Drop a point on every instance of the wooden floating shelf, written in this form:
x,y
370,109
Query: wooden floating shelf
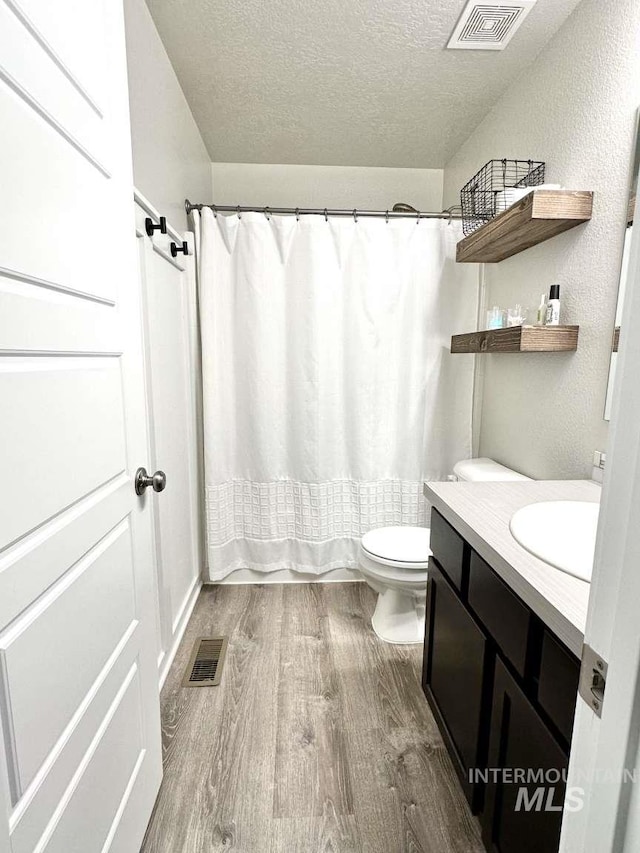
x,y
518,339
535,218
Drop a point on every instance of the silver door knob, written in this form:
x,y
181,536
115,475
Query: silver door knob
x,y
142,481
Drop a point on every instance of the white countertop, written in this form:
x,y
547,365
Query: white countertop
x,y
481,512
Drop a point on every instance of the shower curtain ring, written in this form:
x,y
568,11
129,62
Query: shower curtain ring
x,y
297,214
326,215
215,210
386,217
355,215
417,217
267,213
238,212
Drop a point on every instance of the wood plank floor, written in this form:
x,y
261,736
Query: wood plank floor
x,y
318,740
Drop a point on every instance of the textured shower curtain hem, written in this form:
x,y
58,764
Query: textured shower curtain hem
x,y
272,555
281,565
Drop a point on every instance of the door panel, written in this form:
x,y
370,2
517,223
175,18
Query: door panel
x,y
33,70
36,562
116,755
44,320
38,803
80,760
72,32
74,623
63,423
65,250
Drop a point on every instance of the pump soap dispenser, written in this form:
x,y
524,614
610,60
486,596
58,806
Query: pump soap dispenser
x,y
553,306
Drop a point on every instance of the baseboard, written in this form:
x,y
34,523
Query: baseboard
x,y
246,576
180,624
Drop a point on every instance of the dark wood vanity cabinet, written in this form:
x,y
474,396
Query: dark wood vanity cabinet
x,y
503,691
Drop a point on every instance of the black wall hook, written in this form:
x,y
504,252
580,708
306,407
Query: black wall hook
x,y
150,226
175,249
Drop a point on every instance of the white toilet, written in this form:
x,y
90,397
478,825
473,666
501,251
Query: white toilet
x,y
394,563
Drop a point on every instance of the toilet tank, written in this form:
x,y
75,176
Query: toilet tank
x,y
484,469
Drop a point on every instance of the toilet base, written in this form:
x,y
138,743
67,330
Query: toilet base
x,y
399,617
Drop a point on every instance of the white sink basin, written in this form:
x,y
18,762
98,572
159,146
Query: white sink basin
x,y
562,533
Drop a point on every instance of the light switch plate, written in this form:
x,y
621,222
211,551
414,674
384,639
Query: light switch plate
x,y
599,459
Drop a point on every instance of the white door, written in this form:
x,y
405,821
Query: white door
x,y
80,759
170,335
604,814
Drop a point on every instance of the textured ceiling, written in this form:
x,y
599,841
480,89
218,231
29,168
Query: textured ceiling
x,y
339,82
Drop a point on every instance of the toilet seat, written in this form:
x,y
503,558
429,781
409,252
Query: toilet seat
x,y
394,564
398,547
396,556
392,575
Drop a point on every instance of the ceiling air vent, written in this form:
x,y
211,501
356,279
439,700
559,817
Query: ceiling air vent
x,y
489,25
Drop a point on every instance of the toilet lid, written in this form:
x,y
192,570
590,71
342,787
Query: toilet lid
x,y
404,544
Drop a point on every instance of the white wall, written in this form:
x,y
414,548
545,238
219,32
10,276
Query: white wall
x,y
170,161
574,108
325,186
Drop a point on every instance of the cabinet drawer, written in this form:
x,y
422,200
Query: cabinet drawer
x,y
454,675
558,686
447,547
500,610
520,741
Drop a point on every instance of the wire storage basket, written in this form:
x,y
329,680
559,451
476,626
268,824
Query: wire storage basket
x,y
498,185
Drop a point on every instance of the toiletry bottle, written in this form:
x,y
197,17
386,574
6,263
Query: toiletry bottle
x,y
553,306
541,314
495,318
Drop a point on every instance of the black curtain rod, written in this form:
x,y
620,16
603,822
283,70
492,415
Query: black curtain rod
x,y
326,212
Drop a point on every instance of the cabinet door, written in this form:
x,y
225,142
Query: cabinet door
x,y
454,676
504,616
520,817
558,684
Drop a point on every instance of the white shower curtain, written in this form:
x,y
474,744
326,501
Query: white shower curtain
x,y
330,394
